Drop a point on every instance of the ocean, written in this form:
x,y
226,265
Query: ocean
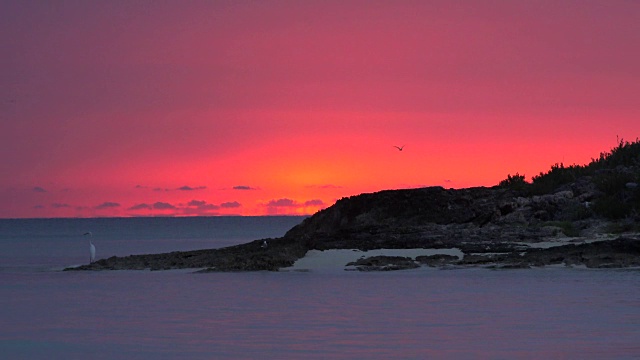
x,y
45,313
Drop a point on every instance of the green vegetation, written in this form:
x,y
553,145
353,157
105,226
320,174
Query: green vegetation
x,y
615,175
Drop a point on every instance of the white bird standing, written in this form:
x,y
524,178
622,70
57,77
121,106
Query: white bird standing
x,y
92,248
264,244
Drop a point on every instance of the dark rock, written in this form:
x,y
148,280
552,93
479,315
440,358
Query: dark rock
x,y
439,218
491,247
619,253
384,263
438,260
402,209
246,257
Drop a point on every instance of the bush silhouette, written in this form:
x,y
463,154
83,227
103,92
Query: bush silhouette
x,y
615,173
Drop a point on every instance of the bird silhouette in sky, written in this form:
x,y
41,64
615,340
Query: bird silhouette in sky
x,y
399,147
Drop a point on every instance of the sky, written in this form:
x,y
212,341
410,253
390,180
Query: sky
x,y
181,108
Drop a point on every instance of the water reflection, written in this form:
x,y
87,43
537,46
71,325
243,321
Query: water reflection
x,y
555,313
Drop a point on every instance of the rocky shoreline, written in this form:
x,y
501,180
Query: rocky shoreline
x,y
493,227
623,252
576,216
251,256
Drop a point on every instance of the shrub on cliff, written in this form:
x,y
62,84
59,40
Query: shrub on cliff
x,y
615,173
558,175
516,182
624,155
621,194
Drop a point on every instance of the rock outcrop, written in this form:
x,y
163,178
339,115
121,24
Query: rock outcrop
x,y
489,225
493,219
384,263
618,253
252,256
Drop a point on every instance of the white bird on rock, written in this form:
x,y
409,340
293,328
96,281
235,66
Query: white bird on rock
x,y
92,248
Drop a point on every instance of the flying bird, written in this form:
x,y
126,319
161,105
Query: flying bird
x,y
399,147
92,248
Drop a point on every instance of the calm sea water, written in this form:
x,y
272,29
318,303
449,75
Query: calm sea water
x,y
45,313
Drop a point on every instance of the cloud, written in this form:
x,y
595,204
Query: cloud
x,y
231,204
193,207
282,203
60,205
39,189
189,188
107,205
202,205
163,206
38,207
285,205
141,207
291,203
244,187
182,188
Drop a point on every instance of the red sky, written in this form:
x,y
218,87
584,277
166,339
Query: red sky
x,y
128,108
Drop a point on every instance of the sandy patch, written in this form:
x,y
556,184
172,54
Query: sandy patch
x,y
336,260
